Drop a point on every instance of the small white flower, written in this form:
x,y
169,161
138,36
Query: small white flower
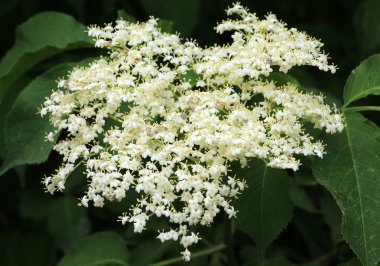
x,y
186,255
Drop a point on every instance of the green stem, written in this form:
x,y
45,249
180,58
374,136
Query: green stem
x,y
362,108
193,256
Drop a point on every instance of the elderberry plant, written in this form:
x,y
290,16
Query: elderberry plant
x,y
137,121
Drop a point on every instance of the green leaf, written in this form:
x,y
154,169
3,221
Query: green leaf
x,y
6,105
264,207
351,172
25,130
99,249
363,81
38,38
184,14
67,221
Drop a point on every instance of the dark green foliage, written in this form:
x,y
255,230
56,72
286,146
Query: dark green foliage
x,y
25,131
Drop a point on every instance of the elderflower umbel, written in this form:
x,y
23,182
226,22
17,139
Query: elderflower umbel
x,y
137,123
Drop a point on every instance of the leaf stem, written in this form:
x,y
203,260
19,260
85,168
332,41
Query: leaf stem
x,y
362,108
194,255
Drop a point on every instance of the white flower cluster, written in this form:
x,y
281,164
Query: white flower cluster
x,y
166,118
